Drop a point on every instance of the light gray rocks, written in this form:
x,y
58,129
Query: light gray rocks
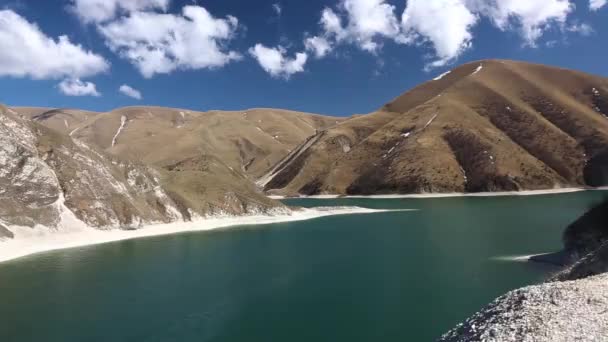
x,y
552,312
28,187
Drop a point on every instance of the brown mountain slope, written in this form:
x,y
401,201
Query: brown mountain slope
x,y
486,126
246,142
208,161
62,120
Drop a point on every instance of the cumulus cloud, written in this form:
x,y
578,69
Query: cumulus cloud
x,y
130,92
97,11
332,24
362,22
319,46
446,24
531,18
28,52
274,61
595,5
277,9
76,87
583,29
158,43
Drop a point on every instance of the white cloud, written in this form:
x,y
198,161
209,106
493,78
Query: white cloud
x,y
531,18
332,24
130,92
363,23
277,9
76,87
159,43
446,24
595,5
27,52
274,62
366,22
584,29
319,46
97,11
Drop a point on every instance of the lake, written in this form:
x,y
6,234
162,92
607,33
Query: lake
x,y
392,276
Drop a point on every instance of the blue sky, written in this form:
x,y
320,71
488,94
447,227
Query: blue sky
x,y
236,54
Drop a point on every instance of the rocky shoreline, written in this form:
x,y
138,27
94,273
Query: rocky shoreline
x,y
555,311
447,194
25,245
571,306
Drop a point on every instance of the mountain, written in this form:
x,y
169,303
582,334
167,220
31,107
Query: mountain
x,y
67,168
62,120
485,126
249,141
53,182
213,152
492,125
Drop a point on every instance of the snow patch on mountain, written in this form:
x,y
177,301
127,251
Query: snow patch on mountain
x,y
479,68
123,122
442,76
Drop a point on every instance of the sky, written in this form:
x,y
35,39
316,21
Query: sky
x,y
335,57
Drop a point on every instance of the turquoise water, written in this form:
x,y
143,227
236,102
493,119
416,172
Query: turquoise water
x,y
399,276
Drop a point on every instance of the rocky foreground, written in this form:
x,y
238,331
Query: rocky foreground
x,y
557,311
572,306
